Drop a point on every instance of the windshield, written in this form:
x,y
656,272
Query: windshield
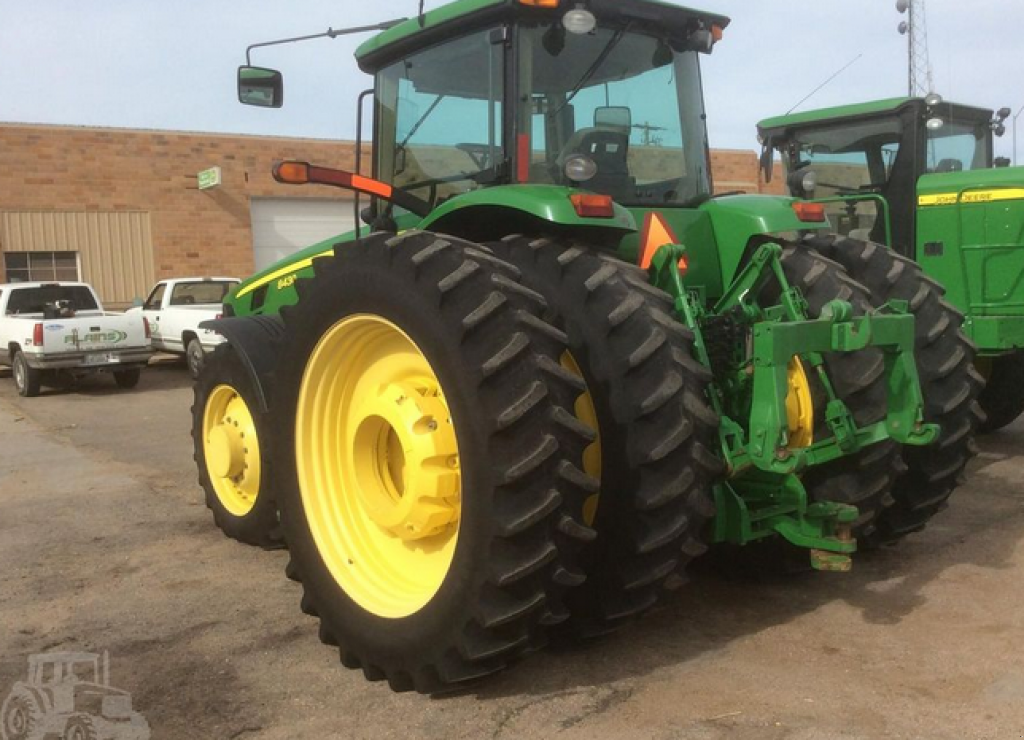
x,y
623,99
848,158
959,147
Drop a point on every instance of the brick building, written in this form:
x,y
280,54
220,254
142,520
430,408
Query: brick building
x,y
122,208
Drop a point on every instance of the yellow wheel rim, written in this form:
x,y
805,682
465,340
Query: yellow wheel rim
x,y
799,406
232,450
378,466
585,412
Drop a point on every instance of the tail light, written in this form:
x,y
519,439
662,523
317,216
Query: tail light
x,y
809,212
593,206
145,323
37,335
218,317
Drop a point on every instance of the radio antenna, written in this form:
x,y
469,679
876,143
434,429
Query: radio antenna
x,y
813,92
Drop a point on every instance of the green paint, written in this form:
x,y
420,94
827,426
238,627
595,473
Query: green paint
x,y
738,218
460,13
778,124
549,203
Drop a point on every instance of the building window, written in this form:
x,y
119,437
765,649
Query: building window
x,y
23,267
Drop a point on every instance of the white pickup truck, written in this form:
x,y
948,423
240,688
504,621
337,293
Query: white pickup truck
x,y
49,329
175,308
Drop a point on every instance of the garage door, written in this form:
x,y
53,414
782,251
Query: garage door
x,y
282,226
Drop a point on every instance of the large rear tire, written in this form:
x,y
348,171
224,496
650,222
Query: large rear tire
x,y
231,450
21,717
1003,397
866,478
657,433
429,489
949,382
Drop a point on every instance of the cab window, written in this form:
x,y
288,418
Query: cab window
x,y
156,298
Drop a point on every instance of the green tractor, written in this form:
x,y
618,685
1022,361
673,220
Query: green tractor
x,y
556,368
918,175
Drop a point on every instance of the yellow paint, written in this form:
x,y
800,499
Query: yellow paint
x,y
378,466
284,271
799,406
232,450
973,196
587,413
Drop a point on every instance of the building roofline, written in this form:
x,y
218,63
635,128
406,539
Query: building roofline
x,y
165,132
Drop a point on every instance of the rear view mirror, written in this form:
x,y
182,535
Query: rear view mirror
x,y
261,87
616,118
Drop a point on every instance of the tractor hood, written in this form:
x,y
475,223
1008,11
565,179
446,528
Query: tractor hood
x,y
464,16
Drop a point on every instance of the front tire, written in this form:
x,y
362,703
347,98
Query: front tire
x,y
229,436
27,380
1003,397
428,488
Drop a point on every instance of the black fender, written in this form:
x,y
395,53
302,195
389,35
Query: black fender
x,y
257,340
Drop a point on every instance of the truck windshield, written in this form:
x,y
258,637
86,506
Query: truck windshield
x,y
623,99
35,300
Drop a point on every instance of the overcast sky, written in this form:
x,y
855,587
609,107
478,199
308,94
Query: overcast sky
x,y
171,65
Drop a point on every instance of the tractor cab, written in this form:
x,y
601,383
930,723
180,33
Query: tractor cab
x,y
918,174
866,161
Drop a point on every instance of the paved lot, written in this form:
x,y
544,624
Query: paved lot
x,y
105,545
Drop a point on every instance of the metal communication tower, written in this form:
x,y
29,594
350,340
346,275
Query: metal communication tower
x,y
919,65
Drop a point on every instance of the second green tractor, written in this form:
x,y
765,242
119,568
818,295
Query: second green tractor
x,y
553,368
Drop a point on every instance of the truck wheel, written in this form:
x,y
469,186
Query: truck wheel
x,y
194,357
864,479
127,379
21,717
230,449
646,396
1003,397
428,486
80,727
949,382
27,379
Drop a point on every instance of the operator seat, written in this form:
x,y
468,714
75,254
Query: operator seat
x,y
609,148
949,165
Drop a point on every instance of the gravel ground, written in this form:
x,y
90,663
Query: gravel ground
x,y
105,545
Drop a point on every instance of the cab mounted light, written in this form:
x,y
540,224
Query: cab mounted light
x,y
540,3
588,205
810,212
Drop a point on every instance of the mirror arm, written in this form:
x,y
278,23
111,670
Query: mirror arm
x,y
330,33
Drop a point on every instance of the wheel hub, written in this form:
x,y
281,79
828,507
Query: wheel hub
x,y
232,451
799,406
406,462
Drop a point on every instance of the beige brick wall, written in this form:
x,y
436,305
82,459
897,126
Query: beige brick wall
x,y
194,232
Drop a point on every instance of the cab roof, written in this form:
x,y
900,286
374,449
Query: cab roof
x,y
441,23
779,124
